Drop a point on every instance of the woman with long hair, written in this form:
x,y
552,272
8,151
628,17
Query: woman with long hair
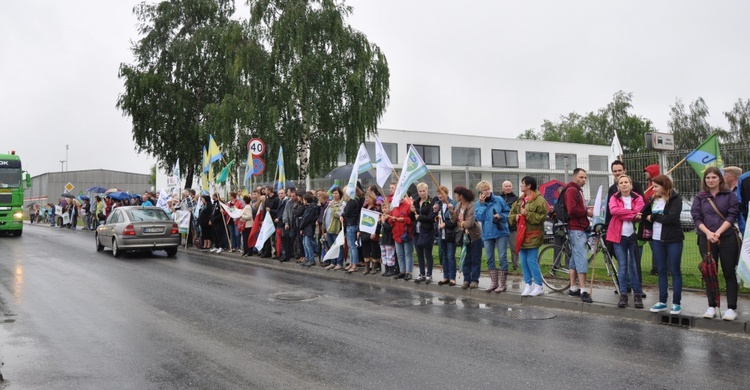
x,y
463,213
532,207
370,242
424,230
661,225
715,210
332,226
204,221
624,206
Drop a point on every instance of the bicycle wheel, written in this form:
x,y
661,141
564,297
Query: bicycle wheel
x,y
610,267
553,263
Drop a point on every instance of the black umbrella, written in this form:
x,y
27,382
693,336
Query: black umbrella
x,y
68,195
343,172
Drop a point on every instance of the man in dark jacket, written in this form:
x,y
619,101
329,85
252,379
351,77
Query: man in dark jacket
x,y
577,226
509,197
272,207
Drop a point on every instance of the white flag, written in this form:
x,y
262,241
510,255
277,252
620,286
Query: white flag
x,y
333,252
383,165
233,212
413,170
615,150
266,230
361,165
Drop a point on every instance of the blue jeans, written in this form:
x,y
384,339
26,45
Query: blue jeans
x,y
351,240
501,243
235,236
405,254
668,253
529,259
472,261
578,258
626,268
448,259
307,243
340,259
424,252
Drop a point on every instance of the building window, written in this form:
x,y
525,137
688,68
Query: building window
x,y
598,163
430,154
560,161
537,160
459,179
466,157
505,158
391,150
499,178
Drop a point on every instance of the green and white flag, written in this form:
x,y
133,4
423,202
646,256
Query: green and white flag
x,y
361,165
413,170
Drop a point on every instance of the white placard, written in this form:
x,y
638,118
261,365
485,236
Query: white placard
x,y
368,221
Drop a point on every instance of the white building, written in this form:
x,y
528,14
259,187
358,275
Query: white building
x,y
457,159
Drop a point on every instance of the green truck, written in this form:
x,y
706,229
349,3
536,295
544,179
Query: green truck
x,y
12,186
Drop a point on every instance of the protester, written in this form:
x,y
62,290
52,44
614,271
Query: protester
x,y
205,220
715,210
424,233
387,245
246,219
447,227
623,207
651,171
307,227
492,213
401,219
271,206
277,241
533,208
509,197
218,224
350,221
577,226
233,225
660,224
370,242
292,207
463,213
332,224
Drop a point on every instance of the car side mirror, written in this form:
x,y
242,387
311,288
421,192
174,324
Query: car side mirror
x,y
28,180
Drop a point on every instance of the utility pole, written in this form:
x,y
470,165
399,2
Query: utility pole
x,y
66,158
62,164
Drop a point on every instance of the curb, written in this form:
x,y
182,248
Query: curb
x,y
509,298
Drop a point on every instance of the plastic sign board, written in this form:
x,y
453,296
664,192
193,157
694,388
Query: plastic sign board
x,y
660,141
69,187
259,166
256,147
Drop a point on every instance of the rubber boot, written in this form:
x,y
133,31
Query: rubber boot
x,y
388,271
503,283
493,280
367,267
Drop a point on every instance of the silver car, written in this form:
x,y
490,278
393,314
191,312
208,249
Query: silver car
x,y
138,228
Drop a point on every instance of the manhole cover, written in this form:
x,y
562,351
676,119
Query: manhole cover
x,y
526,314
295,296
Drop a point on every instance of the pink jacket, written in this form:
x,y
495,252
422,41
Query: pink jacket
x,y
620,214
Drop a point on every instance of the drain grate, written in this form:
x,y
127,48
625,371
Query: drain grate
x,y
295,296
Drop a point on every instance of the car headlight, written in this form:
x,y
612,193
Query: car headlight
x,y
18,215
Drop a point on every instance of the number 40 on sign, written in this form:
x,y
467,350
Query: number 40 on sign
x,y
256,147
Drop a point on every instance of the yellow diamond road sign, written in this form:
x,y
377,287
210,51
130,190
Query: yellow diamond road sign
x,y
69,187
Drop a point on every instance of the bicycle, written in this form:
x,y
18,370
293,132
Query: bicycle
x,y
553,260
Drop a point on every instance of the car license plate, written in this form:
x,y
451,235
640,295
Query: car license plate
x,y
153,230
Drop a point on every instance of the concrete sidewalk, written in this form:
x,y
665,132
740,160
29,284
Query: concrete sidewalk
x,y
694,303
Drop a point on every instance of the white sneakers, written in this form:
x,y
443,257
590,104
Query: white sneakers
x,y
526,291
538,290
218,251
730,315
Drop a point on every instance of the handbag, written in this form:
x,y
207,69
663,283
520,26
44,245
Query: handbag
x,y
734,227
459,238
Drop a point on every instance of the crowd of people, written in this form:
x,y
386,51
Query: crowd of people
x,y
307,225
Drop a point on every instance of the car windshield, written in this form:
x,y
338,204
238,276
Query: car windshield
x,y
10,177
138,215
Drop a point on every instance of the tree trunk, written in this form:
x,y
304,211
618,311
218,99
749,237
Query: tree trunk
x,y
189,178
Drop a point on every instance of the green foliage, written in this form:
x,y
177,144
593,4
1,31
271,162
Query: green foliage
x,y
152,176
739,122
598,127
327,84
691,128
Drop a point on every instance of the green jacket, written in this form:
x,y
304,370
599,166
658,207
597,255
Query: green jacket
x,y
536,214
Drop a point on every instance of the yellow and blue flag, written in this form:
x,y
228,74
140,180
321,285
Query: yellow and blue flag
x,y
706,155
280,165
214,153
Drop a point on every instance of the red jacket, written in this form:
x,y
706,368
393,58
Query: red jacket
x,y
576,206
399,228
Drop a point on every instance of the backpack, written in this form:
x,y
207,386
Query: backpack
x,y
561,212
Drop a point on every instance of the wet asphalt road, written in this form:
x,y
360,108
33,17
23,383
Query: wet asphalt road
x,y
75,318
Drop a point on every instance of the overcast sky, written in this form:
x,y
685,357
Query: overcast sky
x,y
466,67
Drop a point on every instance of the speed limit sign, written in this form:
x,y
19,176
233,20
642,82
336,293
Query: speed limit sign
x,y
256,147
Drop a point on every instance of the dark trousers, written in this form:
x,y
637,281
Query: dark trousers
x,y
287,240
424,255
245,236
726,253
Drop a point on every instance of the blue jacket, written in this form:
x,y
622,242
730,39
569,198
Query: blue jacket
x,y
484,214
